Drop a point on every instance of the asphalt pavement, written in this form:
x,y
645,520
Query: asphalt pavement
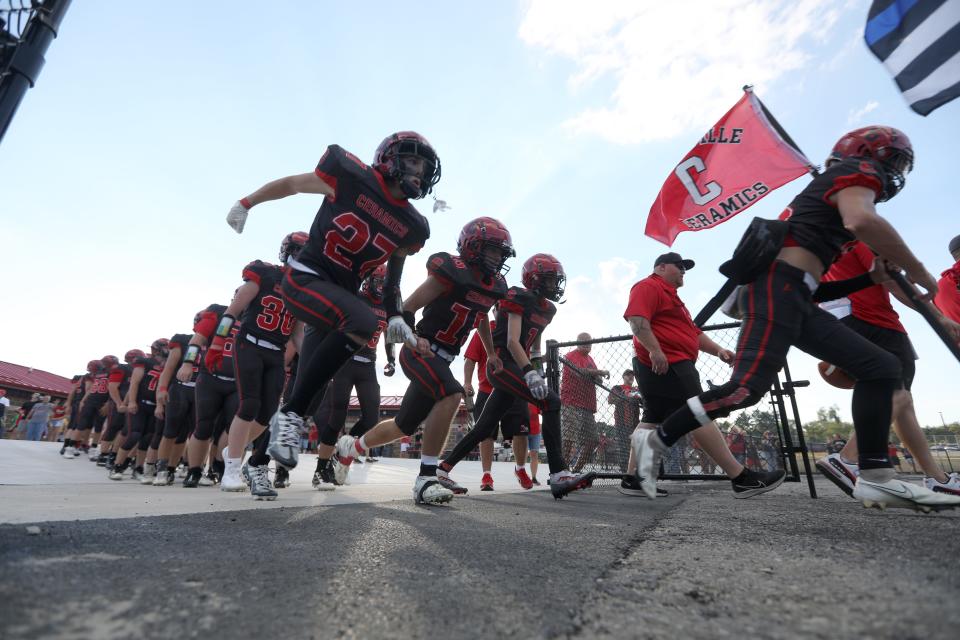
x,y
697,564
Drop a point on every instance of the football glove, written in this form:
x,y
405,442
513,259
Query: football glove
x,y
237,217
398,331
538,386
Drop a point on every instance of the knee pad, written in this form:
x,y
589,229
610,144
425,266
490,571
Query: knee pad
x,y
249,408
720,401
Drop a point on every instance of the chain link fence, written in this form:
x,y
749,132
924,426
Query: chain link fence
x,y
600,412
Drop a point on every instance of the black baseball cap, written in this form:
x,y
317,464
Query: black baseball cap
x,y
955,244
674,258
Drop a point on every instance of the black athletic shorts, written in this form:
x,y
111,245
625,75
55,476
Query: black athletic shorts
x,y
326,305
430,381
260,375
179,414
90,417
215,394
664,394
515,422
896,342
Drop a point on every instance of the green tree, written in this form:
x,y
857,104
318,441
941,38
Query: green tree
x,y
827,424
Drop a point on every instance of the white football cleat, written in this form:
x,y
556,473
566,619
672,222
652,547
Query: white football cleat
x,y
899,494
428,491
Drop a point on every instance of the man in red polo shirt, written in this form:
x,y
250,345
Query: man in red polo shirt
x,y
578,393
948,293
667,342
868,312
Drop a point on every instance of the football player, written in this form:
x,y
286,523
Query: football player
x,y
266,326
141,401
89,416
117,387
366,220
77,391
868,312
360,372
216,390
515,422
176,406
456,296
866,166
521,318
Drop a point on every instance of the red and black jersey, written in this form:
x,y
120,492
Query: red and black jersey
x,y
121,373
469,295
80,388
182,340
359,228
98,387
206,326
147,388
536,314
814,222
369,350
266,317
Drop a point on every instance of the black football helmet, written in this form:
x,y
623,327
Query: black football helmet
x,y
480,234
292,244
160,348
372,285
543,274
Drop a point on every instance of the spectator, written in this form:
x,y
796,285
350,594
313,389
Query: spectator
x,y
948,292
37,418
56,421
534,440
20,426
894,458
4,403
737,443
625,399
769,447
578,393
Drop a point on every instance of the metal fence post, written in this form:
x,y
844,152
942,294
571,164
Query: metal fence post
x,y
21,66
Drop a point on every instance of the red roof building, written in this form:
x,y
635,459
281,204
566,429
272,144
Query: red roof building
x,y
19,377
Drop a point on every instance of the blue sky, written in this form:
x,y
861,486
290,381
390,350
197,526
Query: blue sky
x,y
560,118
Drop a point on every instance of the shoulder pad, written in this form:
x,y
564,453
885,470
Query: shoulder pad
x,y
180,340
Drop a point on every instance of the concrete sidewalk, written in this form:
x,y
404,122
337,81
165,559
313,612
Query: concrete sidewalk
x,y
697,564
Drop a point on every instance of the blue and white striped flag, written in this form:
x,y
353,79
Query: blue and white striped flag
x,y
919,43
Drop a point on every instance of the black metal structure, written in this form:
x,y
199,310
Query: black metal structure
x,y
26,30
599,445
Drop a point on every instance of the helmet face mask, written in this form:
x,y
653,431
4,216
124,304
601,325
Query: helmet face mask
x,y
486,245
292,244
888,146
407,158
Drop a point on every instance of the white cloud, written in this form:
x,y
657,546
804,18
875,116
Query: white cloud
x,y
677,66
855,116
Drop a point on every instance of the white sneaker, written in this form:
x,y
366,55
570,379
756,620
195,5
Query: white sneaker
x,y
163,478
149,473
648,461
343,457
69,452
93,454
428,491
231,480
839,472
951,486
116,474
444,479
286,448
206,481
899,494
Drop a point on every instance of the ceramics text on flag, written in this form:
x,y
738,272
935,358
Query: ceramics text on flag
x,y
737,162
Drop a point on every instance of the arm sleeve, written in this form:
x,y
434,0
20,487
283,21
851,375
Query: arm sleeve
x,y
392,301
840,288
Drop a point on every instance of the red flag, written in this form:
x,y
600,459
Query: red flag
x,y
739,161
